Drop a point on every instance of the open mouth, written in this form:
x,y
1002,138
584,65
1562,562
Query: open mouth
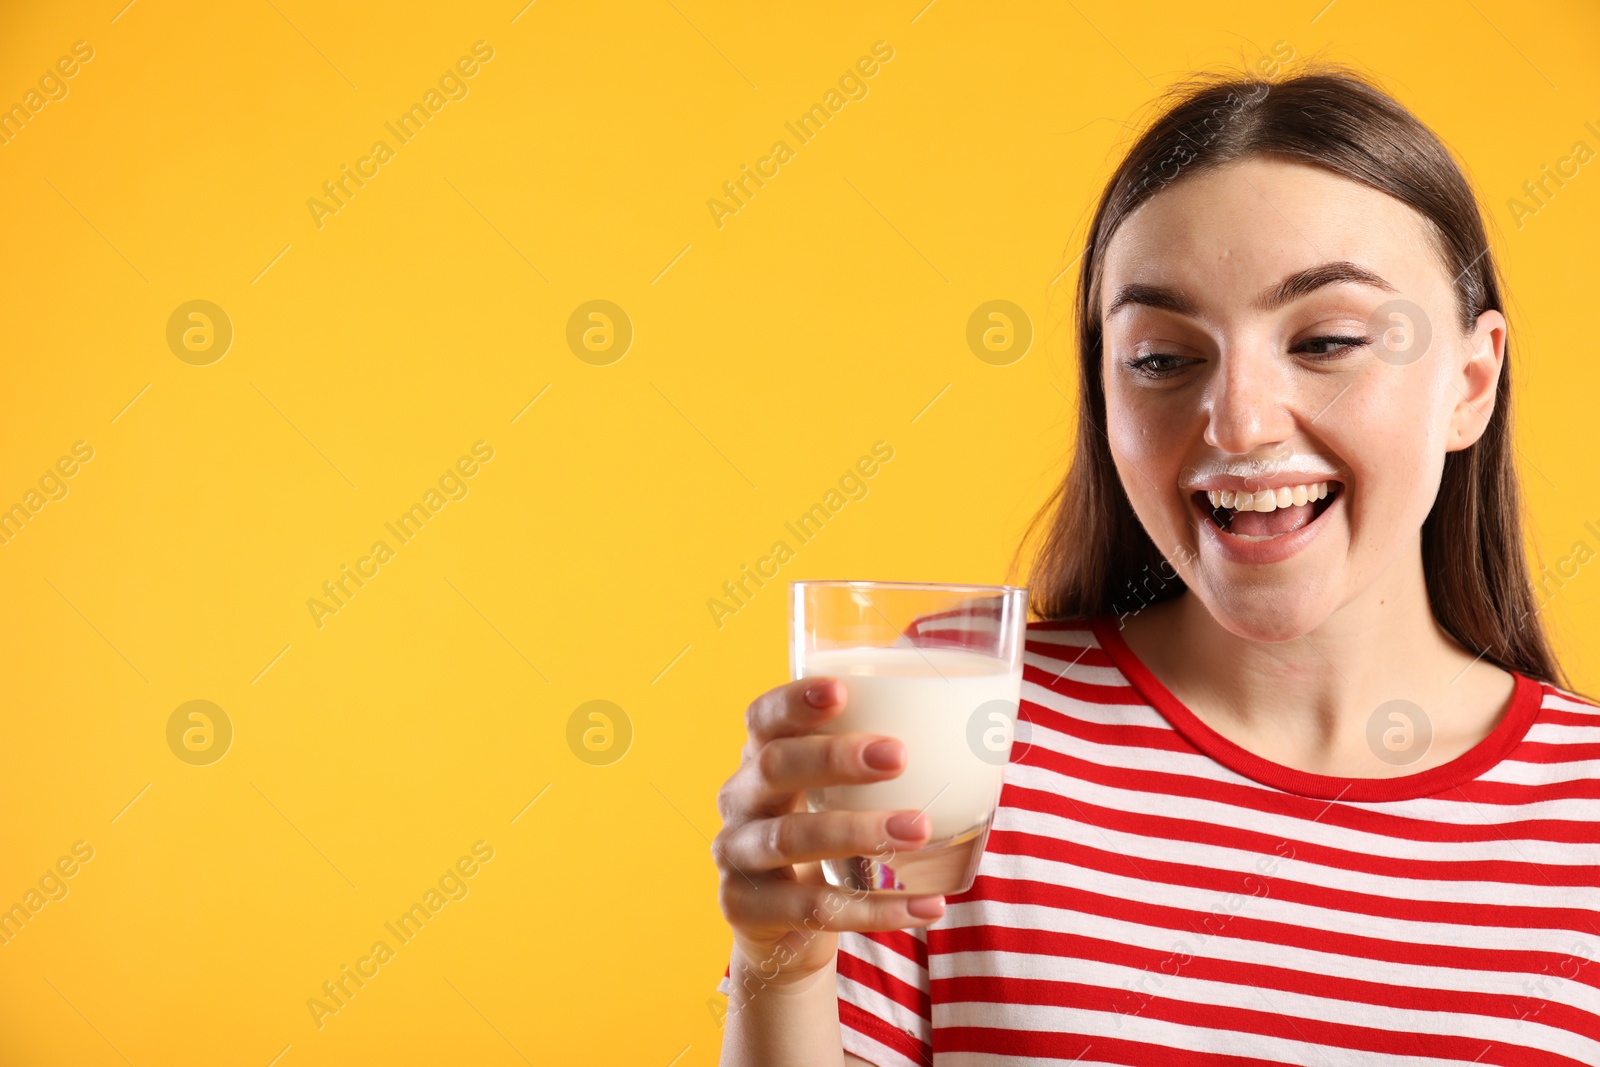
x,y
1263,517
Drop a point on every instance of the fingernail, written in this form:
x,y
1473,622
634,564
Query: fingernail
x,y
926,907
884,755
821,694
907,826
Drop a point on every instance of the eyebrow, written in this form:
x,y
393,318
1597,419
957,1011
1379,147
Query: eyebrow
x,y
1291,288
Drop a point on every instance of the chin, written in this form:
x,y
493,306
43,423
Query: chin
x,y
1250,615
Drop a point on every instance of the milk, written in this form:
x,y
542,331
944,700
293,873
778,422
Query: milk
x,y
954,709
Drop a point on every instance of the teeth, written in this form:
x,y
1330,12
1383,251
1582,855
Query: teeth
x,y
1268,499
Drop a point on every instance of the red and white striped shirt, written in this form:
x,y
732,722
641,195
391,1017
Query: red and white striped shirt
x,y
1152,893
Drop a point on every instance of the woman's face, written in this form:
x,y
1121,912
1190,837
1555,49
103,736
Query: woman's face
x,y
1249,346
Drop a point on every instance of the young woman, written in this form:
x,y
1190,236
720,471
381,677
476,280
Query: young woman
x,y
1302,781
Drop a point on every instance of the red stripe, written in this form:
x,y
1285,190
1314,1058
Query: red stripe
x,y
1547,752
963,635
978,639
1588,715
1511,794
979,606
1318,805
892,1036
1084,625
1527,696
1163,738
1088,692
1086,655
903,942
1209,1017
882,982
1243,927
1576,830
1184,960
1576,922
1170,828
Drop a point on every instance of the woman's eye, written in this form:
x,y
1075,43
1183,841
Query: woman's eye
x,y
1158,365
1153,366
1341,345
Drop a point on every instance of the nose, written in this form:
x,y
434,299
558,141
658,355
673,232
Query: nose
x,y
1250,400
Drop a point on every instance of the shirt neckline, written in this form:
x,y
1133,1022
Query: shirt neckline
x,y
1524,705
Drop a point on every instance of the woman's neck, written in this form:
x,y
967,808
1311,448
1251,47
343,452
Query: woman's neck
x,y
1309,701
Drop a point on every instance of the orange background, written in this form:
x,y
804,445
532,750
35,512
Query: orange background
x,y
435,708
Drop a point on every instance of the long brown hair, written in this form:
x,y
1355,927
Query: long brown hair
x,y
1096,556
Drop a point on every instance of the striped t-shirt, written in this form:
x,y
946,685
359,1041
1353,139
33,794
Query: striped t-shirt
x,y
1152,893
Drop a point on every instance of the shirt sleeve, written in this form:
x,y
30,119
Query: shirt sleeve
x,y
885,1015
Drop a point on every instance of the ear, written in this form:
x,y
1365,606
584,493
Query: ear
x,y
1477,380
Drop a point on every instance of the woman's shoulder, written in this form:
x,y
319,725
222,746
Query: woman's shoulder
x,y
1558,698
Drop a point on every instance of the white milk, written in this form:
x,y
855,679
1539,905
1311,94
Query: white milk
x,y
928,698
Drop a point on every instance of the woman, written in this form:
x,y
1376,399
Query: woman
x,y
1302,781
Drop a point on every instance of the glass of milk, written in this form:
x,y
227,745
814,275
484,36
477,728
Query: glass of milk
x,y
940,668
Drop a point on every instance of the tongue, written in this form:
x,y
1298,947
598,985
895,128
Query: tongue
x,y
1270,523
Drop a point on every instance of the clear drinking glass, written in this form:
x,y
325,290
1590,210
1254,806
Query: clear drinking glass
x,y
939,667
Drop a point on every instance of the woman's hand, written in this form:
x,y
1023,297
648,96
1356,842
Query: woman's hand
x,y
769,846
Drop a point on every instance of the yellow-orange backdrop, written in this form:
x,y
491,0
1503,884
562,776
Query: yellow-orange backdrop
x,y
626,465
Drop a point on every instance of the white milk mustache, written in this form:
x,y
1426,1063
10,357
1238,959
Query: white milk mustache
x,y
926,697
